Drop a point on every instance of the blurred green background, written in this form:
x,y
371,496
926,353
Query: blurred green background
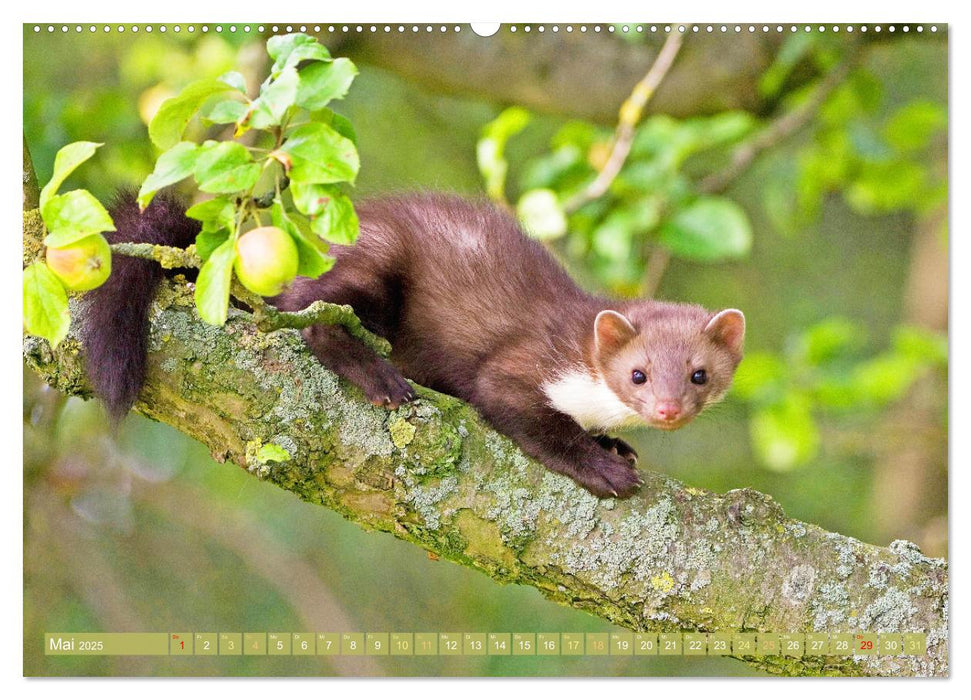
x,y
840,409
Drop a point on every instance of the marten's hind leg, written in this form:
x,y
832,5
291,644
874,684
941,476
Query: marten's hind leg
x,y
347,356
375,303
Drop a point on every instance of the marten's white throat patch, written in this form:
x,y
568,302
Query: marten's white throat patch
x,y
589,401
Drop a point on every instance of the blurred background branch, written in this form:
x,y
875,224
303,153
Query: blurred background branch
x,y
779,128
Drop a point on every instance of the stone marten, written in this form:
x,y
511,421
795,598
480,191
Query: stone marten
x,y
473,308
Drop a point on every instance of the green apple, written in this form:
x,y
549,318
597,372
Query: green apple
x,y
82,265
266,260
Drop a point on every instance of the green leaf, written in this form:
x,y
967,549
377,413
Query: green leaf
x,y
313,260
912,126
861,93
71,216
175,164
227,112
337,222
322,82
720,129
225,166
274,100
66,162
760,378
215,213
332,214
708,230
212,287
311,199
319,154
493,166
792,51
271,452
643,176
209,240
785,435
341,124
507,124
614,238
921,345
665,141
173,116
577,134
559,169
541,214
836,393
45,304
886,377
882,187
490,150
819,171
290,49
832,339
235,80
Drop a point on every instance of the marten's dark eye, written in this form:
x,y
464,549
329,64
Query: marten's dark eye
x,y
699,377
638,377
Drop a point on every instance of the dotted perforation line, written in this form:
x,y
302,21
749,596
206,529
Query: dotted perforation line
x,y
442,28
245,28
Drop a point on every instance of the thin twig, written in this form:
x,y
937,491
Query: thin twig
x,y
744,155
327,314
630,115
266,317
169,257
775,131
657,263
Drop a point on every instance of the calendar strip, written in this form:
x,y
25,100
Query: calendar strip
x,y
510,644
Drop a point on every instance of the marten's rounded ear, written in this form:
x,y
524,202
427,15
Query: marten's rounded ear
x,y
612,330
728,328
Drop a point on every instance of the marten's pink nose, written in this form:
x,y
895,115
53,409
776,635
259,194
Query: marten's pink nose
x,y
668,410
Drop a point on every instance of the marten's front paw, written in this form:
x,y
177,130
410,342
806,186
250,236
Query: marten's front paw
x,y
610,476
618,447
386,387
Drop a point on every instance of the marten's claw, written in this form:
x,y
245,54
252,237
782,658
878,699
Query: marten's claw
x,y
610,477
386,387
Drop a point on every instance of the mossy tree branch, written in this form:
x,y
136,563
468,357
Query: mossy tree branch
x,y
433,473
265,316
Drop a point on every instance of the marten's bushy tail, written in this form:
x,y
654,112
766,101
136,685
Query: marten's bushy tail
x,y
116,315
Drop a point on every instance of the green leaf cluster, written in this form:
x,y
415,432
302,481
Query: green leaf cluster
x,y
651,204
294,184
827,371
877,151
69,218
